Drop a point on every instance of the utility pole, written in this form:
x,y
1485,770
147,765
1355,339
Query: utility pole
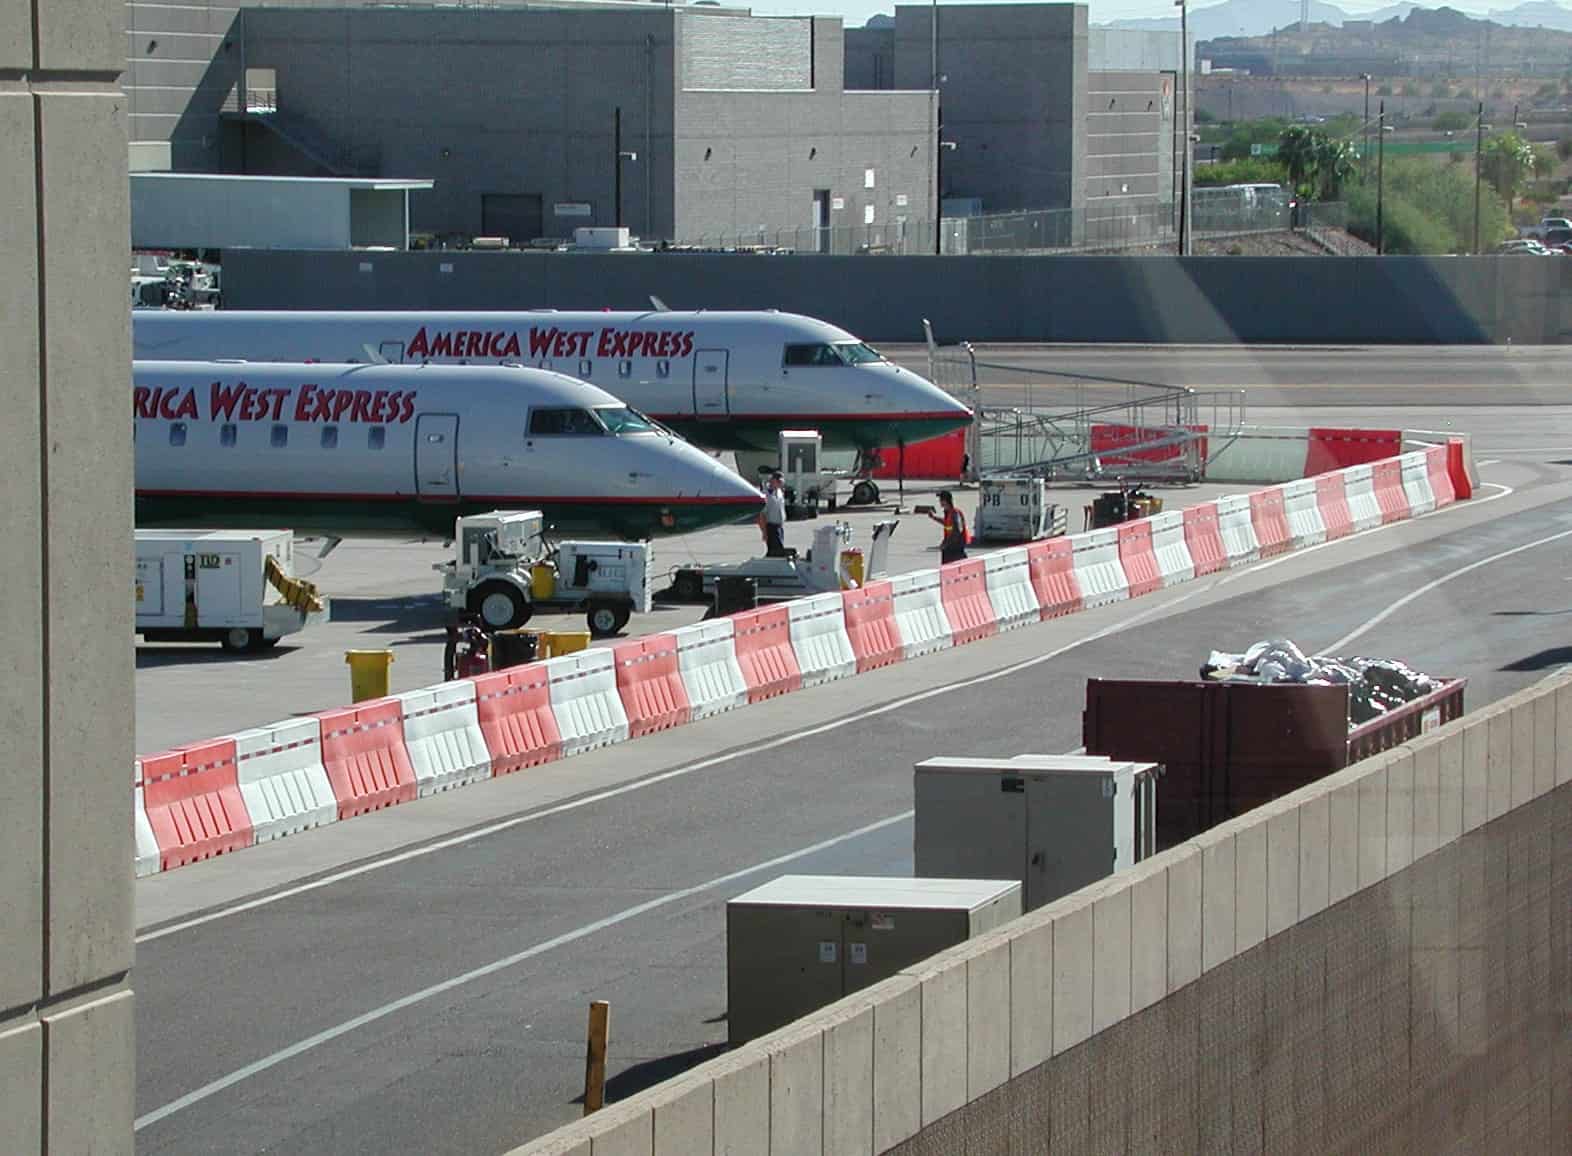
x,y
1364,125
1380,184
616,160
1479,148
1185,162
933,118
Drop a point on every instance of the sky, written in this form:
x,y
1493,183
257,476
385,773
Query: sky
x,y
856,12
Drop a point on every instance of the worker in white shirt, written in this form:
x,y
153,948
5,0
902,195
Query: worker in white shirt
x,y
773,519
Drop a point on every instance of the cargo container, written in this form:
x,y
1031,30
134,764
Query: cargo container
x,y
1229,746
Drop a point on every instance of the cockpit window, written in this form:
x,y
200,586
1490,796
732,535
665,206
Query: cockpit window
x,y
619,419
856,353
564,423
812,355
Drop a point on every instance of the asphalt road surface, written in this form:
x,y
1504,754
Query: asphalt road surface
x,y
435,1002
1285,375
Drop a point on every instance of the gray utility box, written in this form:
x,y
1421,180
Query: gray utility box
x,y
801,942
1055,822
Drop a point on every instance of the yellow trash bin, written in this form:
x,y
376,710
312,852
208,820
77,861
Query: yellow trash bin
x,y
852,566
542,582
368,673
560,642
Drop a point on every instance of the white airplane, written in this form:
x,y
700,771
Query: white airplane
x,y
725,381
370,449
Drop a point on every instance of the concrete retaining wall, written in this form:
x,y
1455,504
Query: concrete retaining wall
x,y
1358,300
1379,962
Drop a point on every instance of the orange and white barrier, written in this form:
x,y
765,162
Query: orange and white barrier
x,y
817,628
443,737
1170,549
585,702
282,780
919,613
1098,573
1237,526
1302,508
1010,592
147,857
707,661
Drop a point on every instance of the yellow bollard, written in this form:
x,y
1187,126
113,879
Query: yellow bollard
x,y
368,673
595,1056
560,642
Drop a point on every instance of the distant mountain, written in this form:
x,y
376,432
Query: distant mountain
x,y
1260,17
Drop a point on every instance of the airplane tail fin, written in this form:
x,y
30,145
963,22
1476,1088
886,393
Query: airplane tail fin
x,y
658,305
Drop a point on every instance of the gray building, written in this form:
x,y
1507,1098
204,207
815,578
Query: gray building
x,y
731,125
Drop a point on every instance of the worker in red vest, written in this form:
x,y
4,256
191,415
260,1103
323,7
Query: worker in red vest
x,y
952,546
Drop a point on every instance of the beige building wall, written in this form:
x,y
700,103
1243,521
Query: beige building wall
x,y
65,639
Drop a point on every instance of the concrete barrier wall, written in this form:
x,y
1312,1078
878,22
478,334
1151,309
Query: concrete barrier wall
x,y
1375,300
1381,961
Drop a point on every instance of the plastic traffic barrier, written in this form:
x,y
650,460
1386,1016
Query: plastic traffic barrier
x,y
442,734
1334,449
147,856
1010,592
1052,567
817,627
1359,489
707,662
1097,570
1416,483
584,700
1237,526
1457,466
282,779
919,613
1203,537
870,625
513,707
1169,548
365,758
649,683
1387,480
193,802
1303,510
963,588
1137,559
1440,476
1331,499
769,665
1269,521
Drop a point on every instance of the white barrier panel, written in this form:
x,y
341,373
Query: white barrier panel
x,y
819,639
1306,527
1168,544
585,701
443,736
1359,485
1259,454
148,859
1097,567
707,662
1416,484
1009,574
282,780
919,613
1237,530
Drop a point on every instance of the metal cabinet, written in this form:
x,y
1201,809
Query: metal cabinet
x,y
801,942
1056,823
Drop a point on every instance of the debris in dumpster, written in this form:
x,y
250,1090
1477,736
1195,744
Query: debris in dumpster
x,y
1375,685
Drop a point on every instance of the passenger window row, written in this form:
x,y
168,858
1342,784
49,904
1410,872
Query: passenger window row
x,y
278,436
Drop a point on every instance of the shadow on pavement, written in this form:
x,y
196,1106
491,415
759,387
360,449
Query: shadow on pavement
x,y
1543,660
633,1080
150,656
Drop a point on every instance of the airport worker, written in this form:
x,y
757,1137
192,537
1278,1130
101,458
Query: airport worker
x,y
773,519
952,546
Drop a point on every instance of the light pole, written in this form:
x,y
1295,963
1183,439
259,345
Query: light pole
x,y
618,156
1479,148
1184,84
1364,148
1380,184
933,119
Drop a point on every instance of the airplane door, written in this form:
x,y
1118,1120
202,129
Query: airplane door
x,y
710,398
436,457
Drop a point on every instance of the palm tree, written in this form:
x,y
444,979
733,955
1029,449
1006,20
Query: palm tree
x,y
1298,149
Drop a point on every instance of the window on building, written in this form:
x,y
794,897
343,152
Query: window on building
x,y
280,436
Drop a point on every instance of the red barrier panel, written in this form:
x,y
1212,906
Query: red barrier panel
x,y
1457,468
963,586
1389,493
1107,440
1137,558
870,624
650,684
514,708
1331,498
193,802
1270,520
1440,477
938,457
1052,566
364,754
764,653
1203,537
1332,449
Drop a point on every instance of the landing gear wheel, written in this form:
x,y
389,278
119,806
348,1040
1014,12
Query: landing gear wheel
x,y
499,605
688,586
241,641
607,618
864,493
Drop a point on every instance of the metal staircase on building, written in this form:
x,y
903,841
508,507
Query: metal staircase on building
x,y
261,107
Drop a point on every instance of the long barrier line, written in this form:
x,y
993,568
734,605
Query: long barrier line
x,y
210,798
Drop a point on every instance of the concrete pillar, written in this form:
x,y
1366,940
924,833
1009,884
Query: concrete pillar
x,y
65,708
